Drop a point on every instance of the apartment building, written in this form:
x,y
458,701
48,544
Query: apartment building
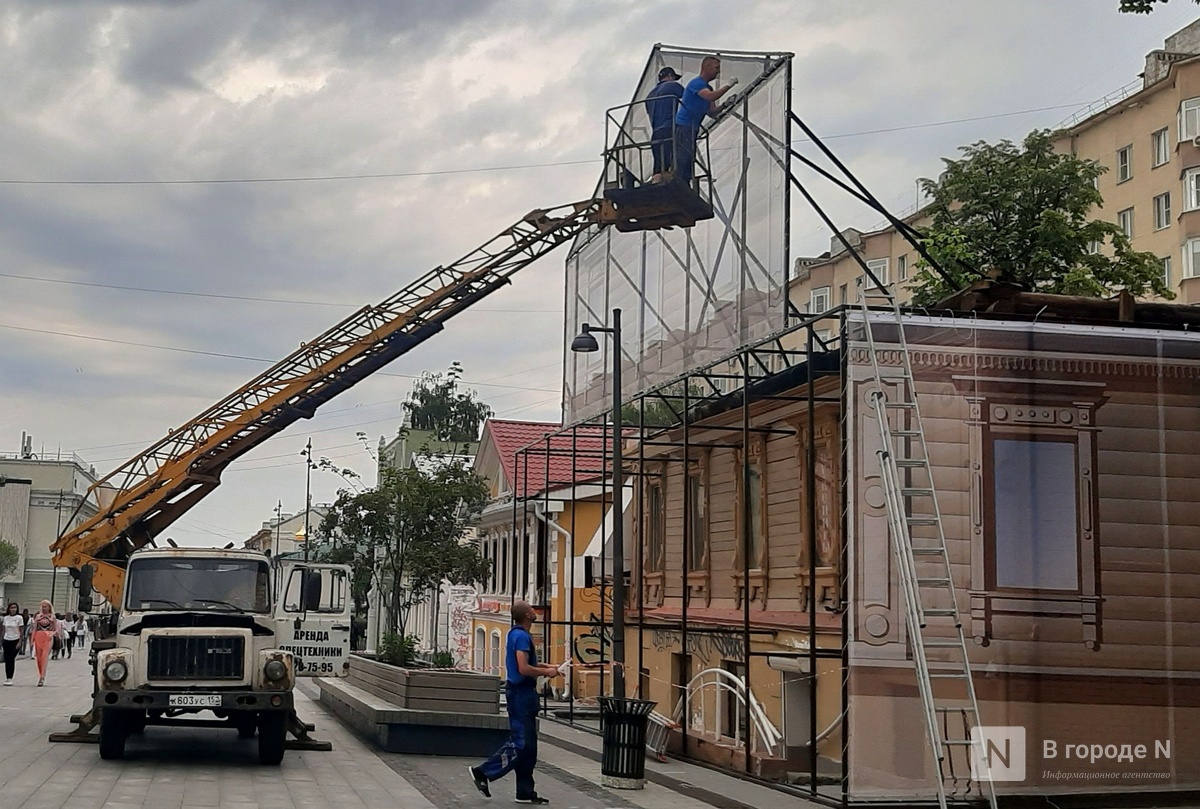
x,y
1150,142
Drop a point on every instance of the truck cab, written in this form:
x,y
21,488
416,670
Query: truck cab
x,y
199,631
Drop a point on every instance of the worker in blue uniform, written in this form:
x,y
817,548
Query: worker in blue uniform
x,y
519,753
661,103
699,99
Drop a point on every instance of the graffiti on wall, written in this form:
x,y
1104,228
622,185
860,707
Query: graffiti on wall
x,y
593,636
709,646
462,601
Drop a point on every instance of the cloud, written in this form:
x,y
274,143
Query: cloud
x,y
286,89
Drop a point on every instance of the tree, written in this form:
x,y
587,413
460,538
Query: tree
x,y
1141,6
10,557
409,531
1021,214
437,405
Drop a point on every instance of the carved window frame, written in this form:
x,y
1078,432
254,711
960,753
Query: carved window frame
x,y
828,579
698,576
759,568
654,561
1065,411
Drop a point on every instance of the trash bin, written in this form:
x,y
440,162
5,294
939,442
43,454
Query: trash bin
x,y
623,754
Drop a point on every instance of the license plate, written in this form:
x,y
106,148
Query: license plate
x,y
194,701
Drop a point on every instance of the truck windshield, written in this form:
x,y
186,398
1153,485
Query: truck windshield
x,y
184,583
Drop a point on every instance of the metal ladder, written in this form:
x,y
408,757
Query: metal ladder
x,y
923,563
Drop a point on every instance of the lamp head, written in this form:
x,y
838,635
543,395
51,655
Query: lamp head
x,y
585,343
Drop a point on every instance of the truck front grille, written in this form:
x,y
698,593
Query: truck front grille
x,y
189,657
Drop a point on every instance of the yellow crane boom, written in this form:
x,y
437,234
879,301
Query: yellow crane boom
x,y
143,496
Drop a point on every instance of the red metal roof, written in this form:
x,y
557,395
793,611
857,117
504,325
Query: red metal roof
x,y
529,477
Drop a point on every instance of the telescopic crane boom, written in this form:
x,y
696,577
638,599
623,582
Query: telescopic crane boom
x,y
140,498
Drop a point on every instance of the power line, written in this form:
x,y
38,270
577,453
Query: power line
x,y
479,169
231,356
219,296
309,179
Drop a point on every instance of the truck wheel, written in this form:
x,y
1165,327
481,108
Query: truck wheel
x,y
112,734
272,733
247,727
135,722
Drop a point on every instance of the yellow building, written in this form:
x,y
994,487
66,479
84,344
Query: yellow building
x,y
543,534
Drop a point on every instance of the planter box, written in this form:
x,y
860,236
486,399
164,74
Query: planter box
x,y
414,689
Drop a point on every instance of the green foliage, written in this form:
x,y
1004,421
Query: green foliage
x,y
442,660
437,405
407,533
398,650
10,557
1021,214
1141,6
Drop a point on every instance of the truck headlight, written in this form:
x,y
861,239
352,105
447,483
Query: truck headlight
x,y
116,671
275,670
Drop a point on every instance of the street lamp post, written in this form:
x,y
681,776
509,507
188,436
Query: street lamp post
x,y
308,461
586,343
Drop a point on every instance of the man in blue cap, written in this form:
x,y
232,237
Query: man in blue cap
x,y
699,99
522,670
661,103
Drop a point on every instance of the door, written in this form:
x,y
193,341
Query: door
x,y
312,617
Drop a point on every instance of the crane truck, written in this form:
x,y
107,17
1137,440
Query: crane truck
x,y
226,632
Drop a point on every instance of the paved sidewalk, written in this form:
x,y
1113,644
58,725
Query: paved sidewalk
x,y
176,768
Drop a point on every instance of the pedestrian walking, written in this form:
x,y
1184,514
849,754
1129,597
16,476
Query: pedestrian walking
x,y
81,630
46,628
68,633
14,630
25,635
519,753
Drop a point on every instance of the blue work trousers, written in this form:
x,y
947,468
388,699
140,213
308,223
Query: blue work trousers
x,y
685,151
519,753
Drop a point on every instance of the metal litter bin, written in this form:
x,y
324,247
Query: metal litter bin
x,y
623,754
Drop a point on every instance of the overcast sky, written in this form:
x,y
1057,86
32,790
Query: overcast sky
x,y
132,297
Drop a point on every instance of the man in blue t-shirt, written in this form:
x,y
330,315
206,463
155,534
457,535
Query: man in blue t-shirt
x,y
699,99
521,671
660,104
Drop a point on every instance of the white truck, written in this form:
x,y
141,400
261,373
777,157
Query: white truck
x,y
200,631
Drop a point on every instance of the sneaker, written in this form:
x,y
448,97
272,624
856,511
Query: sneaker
x,y
41,682
534,799
8,682
481,783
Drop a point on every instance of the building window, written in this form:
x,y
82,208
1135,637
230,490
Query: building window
x,y
495,657
655,525
878,266
1094,247
480,649
1162,211
1191,259
1035,539
757,503
820,300
842,294
1166,269
751,528
697,491
1189,119
1191,189
1124,163
902,267
1125,222
1160,146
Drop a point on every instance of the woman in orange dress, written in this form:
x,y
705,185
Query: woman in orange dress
x,y
45,628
